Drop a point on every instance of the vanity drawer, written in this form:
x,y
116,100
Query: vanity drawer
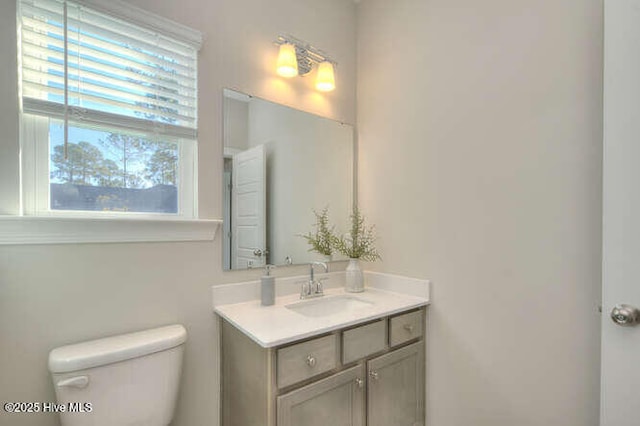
x,y
362,341
405,327
307,359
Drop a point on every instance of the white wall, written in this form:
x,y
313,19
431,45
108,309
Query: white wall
x,y
236,127
480,129
55,295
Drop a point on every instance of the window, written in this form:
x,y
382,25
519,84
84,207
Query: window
x,y
109,113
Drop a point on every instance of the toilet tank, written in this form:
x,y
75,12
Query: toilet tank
x,y
125,380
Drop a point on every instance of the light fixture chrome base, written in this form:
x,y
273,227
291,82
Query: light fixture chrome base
x,y
306,54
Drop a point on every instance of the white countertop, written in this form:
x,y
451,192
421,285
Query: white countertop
x,y
275,325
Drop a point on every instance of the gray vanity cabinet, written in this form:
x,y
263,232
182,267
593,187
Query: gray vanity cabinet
x,y
369,374
337,400
396,388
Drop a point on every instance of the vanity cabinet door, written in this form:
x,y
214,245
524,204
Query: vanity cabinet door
x,y
337,400
396,388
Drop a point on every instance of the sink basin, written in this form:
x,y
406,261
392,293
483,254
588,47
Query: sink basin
x,y
328,305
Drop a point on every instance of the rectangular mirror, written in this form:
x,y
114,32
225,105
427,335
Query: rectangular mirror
x,y
281,164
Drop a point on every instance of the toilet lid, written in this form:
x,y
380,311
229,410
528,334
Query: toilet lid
x,y
112,349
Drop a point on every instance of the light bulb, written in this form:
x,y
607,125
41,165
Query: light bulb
x,y
287,61
325,80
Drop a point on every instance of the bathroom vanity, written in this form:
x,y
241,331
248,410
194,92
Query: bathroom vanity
x,y
344,359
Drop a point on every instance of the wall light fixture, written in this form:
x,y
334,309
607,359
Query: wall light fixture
x,y
298,57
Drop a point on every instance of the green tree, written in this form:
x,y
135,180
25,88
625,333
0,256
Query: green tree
x,y
128,149
108,174
162,167
134,181
81,165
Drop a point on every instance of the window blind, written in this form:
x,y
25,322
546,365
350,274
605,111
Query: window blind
x,y
81,64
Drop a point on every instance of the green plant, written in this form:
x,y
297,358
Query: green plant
x,y
359,243
322,240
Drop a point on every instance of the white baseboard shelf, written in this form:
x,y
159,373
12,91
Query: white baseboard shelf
x,y
18,230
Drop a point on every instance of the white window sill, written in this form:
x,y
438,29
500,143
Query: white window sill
x,y
77,230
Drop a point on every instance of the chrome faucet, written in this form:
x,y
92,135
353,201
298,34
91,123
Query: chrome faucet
x,y
313,287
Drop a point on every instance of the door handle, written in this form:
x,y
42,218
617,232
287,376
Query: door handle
x,y
260,253
625,315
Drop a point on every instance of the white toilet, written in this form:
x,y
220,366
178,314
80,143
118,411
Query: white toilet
x,y
125,380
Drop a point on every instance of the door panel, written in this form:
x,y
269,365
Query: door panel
x,y
335,401
396,388
621,211
248,200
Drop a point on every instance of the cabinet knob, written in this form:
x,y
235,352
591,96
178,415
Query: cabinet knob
x,y
374,375
409,328
311,361
359,382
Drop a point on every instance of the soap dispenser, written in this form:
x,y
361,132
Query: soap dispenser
x,y
268,287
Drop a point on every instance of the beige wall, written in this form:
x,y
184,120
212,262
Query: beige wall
x,y
480,162
309,167
236,129
480,128
54,295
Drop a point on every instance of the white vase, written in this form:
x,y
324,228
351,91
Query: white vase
x,y
355,279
